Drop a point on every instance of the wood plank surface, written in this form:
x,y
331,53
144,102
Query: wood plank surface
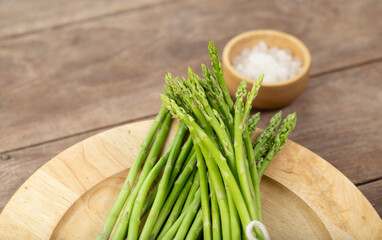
x,y
373,192
63,81
17,166
339,118
20,17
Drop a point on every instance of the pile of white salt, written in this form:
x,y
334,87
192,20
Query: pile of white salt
x,y
276,64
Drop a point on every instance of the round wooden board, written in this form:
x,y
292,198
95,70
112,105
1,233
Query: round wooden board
x,y
303,196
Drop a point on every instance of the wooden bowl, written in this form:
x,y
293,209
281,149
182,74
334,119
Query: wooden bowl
x,y
271,95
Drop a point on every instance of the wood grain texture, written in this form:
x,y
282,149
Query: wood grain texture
x,y
18,166
20,17
305,178
373,192
339,119
86,216
90,74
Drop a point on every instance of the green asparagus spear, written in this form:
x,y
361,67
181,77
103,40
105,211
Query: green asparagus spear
x,y
216,223
261,144
251,96
211,117
150,162
252,123
282,136
135,219
218,70
130,179
121,230
149,201
217,156
179,162
234,221
217,94
180,206
206,216
194,188
255,186
239,149
186,223
160,217
221,194
174,228
196,227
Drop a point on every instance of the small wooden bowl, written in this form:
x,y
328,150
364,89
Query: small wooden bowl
x,y
271,95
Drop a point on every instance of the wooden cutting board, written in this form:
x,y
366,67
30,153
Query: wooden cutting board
x,y
303,196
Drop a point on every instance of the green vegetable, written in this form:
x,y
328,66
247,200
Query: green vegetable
x,y
282,136
239,149
196,227
161,216
218,70
195,204
135,218
150,161
252,123
211,177
215,215
130,179
206,211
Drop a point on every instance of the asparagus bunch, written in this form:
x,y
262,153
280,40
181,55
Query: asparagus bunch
x,y
208,180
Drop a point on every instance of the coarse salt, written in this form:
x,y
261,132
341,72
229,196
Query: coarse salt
x,y
275,63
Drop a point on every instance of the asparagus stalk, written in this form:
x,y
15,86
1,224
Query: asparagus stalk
x,y
151,230
175,212
216,224
217,156
251,96
220,190
235,222
186,223
179,207
186,151
150,161
262,144
206,216
268,133
217,94
239,149
196,227
130,179
213,120
179,162
135,218
252,123
218,70
174,228
184,94
191,88
194,188
210,93
149,201
138,205
120,232
255,180
282,136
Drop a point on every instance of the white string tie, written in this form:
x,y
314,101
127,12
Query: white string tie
x,y
261,226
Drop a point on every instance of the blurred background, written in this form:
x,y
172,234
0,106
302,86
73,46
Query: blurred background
x,y
70,69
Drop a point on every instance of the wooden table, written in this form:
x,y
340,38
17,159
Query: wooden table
x,y
70,69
